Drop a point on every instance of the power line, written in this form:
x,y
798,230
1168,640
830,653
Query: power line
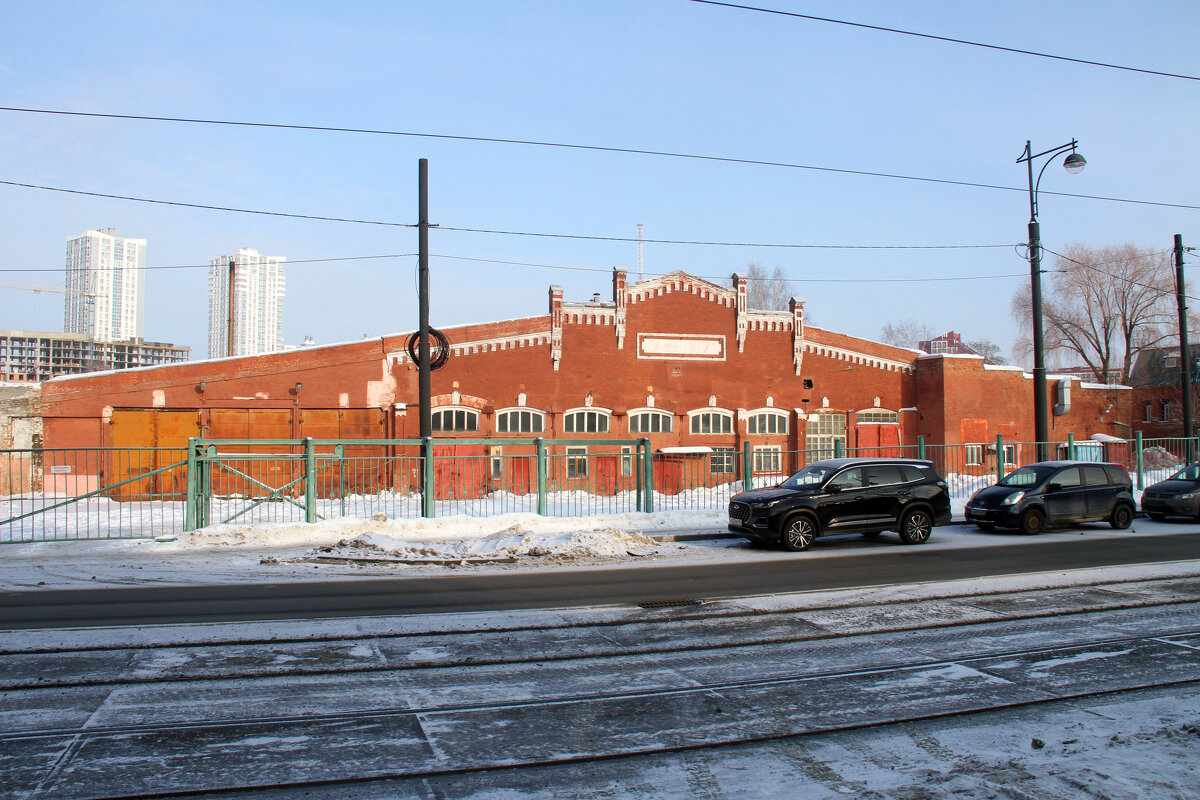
x,y
730,244
596,148
583,237
552,267
946,39
289,262
202,206
1130,281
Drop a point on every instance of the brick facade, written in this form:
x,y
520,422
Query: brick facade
x,y
675,344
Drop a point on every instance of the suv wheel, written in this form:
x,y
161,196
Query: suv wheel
x,y
1033,521
915,527
798,533
1122,517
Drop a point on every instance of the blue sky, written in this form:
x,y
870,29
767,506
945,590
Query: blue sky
x,y
665,75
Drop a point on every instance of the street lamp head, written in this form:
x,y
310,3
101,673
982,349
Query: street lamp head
x,y
1074,163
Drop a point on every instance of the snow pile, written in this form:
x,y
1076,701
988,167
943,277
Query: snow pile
x,y
510,536
511,543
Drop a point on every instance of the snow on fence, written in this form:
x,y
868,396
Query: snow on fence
x,y
103,493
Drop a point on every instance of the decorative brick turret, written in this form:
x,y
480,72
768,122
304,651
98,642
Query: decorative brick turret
x,y
556,324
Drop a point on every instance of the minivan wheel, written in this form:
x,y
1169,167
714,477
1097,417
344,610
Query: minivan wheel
x,y
1122,517
915,527
1033,521
798,533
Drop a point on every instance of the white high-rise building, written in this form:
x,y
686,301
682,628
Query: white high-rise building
x,y
105,278
258,284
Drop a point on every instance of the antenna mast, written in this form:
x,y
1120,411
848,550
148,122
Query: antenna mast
x,y
639,252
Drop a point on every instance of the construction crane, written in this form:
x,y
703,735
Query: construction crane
x,y
38,289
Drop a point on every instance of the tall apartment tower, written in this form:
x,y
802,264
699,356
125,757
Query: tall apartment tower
x,y
105,281
258,284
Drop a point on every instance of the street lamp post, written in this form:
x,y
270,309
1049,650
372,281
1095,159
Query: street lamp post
x,y
1073,163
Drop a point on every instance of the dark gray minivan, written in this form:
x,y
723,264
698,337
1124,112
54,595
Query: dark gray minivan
x,y
1055,493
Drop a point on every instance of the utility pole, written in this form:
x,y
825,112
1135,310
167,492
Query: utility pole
x,y
229,331
1185,355
423,297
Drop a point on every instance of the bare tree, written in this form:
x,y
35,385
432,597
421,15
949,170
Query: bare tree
x,y
905,333
1103,306
989,350
767,293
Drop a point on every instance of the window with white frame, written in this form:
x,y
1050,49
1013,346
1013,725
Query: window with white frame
x,y
585,420
825,432
768,459
1166,410
626,461
520,420
722,461
877,415
447,420
496,461
577,466
650,421
974,454
1149,409
767,422
1010,455
710,421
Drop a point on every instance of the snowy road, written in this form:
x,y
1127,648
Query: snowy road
x,y
888,693
1056,682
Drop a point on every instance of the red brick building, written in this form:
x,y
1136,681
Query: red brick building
x,y
676,359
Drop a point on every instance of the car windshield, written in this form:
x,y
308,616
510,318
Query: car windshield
x,y
1025,476
809,476
1188,473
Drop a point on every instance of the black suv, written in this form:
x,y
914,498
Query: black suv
x,y
1055,493
845,495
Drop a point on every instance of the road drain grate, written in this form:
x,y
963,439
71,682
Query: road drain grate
x,y
670,603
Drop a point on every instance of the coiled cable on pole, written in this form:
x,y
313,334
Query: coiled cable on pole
x,y
439,348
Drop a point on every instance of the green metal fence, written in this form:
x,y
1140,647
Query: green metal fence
x,y
105,493
91,493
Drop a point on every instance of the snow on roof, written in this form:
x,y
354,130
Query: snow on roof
x,y
686,450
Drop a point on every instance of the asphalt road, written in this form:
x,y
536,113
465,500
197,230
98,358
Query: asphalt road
x,y
573,587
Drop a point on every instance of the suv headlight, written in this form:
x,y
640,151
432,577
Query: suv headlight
x,y
1187,496
1013,499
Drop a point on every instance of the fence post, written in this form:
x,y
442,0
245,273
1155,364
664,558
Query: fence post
x,y
747,468
1070,447
643,492
189,508
921,447
999,457
340,453
649,477
310,480
427,490
543,505
837,448
204,493
1137,443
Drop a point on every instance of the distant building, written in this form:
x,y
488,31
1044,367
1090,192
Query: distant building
x,y
1158,401
105,281
1088,375
258,288
949,343
34,356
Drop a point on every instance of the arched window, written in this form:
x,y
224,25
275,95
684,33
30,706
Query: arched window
x,y
877,415
767,421
711,420
520,420
650,420
586,420
447,420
